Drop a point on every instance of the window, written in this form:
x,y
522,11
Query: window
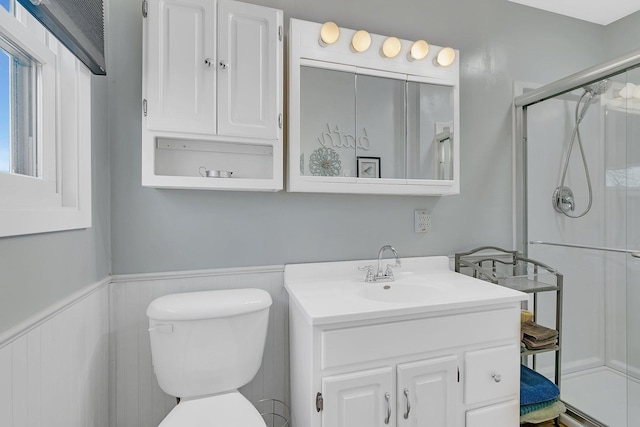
x,y
17,118
5,92
45,129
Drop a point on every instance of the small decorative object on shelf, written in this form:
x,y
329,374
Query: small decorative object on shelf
x,y
325,162
368,167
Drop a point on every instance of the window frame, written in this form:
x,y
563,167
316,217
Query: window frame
x,y
60,197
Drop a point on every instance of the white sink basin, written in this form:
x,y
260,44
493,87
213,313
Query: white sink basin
x,y
399,292
336,291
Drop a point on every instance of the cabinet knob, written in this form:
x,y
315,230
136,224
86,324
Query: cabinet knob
x,y
224,65
208,62
496,377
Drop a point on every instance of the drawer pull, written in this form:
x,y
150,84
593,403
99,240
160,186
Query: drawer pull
x,y
387,397
496,377
406,395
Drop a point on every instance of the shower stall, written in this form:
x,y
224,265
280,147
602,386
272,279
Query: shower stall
x,y
577,192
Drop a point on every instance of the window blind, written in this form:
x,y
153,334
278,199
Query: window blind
x,y
78,24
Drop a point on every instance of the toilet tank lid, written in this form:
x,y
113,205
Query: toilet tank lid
x,y
208,304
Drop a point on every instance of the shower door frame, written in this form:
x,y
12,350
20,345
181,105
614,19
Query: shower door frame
x,y
520,105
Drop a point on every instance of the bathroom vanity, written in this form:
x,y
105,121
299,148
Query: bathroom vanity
x,y
431,347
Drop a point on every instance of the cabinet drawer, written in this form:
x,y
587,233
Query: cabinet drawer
x,y
491,373
376,342
506,414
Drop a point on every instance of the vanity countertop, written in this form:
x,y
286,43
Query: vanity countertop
x,y
332,292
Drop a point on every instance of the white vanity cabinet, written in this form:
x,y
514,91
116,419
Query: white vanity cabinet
x,y
212,94
426,392
420,393
448,357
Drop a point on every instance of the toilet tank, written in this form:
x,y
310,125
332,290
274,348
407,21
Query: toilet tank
x,y
207,342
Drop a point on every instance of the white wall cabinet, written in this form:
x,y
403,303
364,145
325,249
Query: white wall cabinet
x,y
453,369
212,95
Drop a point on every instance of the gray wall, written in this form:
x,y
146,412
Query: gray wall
x,y
623,35
38,270
165,230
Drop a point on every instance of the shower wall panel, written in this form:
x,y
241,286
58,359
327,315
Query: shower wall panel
x,y
550,125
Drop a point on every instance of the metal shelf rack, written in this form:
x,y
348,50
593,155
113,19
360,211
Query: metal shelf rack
x,y
512,270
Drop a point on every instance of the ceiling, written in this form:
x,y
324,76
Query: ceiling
x,y
595,11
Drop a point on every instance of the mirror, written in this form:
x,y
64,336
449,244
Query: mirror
x,y
429,131
355,125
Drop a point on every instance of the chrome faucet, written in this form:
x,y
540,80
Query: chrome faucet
x,y
380,276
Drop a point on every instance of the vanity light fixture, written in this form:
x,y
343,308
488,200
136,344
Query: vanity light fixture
x,y
329,33
361,41
446,56
391,47
419,49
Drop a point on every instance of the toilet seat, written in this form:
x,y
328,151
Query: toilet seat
x,y
223,410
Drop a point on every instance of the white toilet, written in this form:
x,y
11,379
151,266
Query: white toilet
x,y
204,346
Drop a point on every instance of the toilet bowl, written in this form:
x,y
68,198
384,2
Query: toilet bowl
x,y
224,410
204,346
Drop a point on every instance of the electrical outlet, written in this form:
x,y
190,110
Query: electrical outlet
x,y
422,221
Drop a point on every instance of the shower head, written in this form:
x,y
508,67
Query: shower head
x,y
599,87
591,91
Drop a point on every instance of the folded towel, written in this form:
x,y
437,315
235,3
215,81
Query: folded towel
x,y
539,344
535,388
545,414
525,409
537,332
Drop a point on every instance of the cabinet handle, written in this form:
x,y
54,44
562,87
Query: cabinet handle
x,y
387,397
224,65
208,62
496,377
406,395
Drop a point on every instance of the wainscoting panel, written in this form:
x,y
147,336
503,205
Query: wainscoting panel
x,y
136,398
54,369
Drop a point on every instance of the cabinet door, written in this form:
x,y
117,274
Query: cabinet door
x,y
249,70
426,393
364,398
180,65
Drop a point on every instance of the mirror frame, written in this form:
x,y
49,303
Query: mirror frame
x,y
305,49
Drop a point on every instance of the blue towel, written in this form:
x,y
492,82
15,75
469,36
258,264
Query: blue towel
x,y
535,388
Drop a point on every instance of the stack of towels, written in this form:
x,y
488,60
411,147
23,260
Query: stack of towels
x,y
538,398
537,337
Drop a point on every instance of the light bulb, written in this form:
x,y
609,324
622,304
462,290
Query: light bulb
x,y
446,56
329,33
361,41
419,49
391,47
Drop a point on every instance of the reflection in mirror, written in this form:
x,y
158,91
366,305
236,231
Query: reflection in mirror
x,y
355,125
380,123
429,131
327,122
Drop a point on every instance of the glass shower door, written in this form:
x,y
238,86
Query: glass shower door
x,y
633,244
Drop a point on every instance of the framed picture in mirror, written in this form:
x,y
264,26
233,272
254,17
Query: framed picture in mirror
x,y
368,167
